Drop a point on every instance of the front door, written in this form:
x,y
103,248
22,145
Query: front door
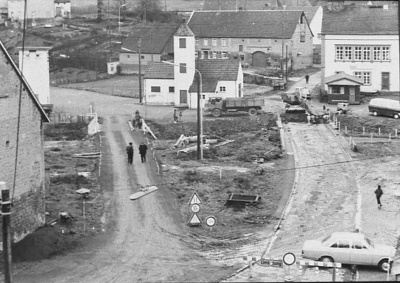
x,y
183,97
352,95
385,81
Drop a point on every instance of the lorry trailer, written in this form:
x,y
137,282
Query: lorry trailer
x,y
218,105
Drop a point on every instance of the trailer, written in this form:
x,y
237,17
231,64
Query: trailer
x,y
218,105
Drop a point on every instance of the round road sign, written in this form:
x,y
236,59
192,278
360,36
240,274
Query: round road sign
x,y
210,221
195,208
289,258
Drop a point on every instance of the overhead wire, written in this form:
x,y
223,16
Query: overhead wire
x,y
19,103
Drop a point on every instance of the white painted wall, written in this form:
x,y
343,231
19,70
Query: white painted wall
x,y
35,68
65,9
164,97
316,25
112,68
376,68
38,9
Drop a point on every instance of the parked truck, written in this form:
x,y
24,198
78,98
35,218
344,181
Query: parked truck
x,y
218,105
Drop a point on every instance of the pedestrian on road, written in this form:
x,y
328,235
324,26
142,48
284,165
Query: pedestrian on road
x,y
379,193
142,151
180,116
175,116
129,151
307,77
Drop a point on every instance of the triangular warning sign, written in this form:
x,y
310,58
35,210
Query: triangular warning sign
x,y
195,220
195,199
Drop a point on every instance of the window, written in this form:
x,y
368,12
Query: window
x,y
182,68
367,53
197,42
201,55
343,244
358,245
182,42
357,53
222,89
364,76
335,89
224,55
318,35
240,48
377,53
214,42
205,41
141,56
302,36
339,52
171,89
385,54
214,55
128,56
223,41
196,54
155,89
348,52
334,245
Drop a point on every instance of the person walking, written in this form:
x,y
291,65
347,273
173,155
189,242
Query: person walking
x,y
379,193
175,116
142,151
307,78
129,151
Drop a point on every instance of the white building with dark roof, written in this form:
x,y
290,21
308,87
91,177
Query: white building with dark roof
x,y
175,83
362,41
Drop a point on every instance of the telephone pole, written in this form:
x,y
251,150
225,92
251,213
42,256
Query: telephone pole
x,y
140,69
6,221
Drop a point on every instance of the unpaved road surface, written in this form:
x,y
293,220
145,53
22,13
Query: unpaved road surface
x,y
145,240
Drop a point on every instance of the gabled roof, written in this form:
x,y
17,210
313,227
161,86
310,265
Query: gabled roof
x,y
184,30
24,82
214,70
343,76
154,38
245,24
159,70
360,20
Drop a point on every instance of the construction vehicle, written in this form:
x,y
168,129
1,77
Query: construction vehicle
x,y
218,105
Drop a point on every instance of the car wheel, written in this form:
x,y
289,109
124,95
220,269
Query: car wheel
x,y
396,116
252,111
326,259
216,112
375,113
384,265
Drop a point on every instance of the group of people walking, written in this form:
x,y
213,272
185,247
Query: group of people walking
x,y
142,152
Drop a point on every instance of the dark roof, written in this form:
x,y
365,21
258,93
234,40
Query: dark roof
x,y
62,1
24,82
309,11
154,38
249,4
244,24
360,20
184,30
159,70
341,76
214,70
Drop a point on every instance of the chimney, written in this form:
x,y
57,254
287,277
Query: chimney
x,y
284,7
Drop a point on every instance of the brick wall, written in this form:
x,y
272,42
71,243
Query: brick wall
x,y
28,210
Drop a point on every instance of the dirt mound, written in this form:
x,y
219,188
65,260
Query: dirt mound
x,y
42,244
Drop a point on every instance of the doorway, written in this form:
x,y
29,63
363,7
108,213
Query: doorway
x,y
385,81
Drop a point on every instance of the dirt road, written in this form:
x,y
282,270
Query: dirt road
x,y
145,240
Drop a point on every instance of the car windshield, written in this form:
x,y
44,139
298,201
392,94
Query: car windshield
x,y
369,242
325,240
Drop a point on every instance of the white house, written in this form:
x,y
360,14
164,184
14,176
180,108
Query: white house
x,y
36,9
362,41
34,65
62,8
175,82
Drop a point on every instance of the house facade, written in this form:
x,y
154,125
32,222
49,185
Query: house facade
x,y
155,42
258,38
343,88
175,83
34,65
367,49
62,8
36,9
21,148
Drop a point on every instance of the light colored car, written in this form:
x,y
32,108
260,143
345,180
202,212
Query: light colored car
x,y
303,92
349,248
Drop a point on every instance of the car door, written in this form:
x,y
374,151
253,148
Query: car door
x,y
341,251
360,253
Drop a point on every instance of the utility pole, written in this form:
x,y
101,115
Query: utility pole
x,y
282,53
140,69
286,61
398,21
6,221
199,137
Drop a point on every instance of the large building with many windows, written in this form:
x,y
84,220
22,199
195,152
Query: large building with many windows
x,y
362,42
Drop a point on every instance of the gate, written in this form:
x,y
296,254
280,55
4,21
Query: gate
x,y
259,59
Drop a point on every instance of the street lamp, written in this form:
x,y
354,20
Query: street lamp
x,y
199,110
140,67
119,17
